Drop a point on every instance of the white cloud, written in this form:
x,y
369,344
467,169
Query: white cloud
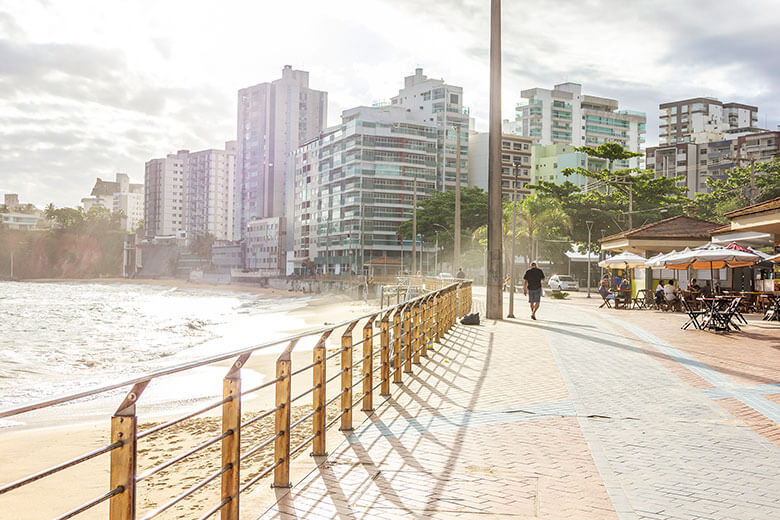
x,y
88,88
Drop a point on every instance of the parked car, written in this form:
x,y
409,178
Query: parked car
x,y
563,282
446,276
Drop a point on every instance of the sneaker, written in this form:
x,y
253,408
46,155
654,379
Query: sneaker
x,y
533,317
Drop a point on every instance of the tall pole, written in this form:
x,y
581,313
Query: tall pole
x,y
362,251
414,229
589,223
495,298
436,255
512,259
456,259
421,253
630,205
327,246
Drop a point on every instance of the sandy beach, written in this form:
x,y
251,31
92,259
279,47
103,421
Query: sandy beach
x,y
53,437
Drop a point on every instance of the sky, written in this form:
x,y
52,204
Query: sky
x,y
91,88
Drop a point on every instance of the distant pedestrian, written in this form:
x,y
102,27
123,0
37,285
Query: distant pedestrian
x,y
460,275
532,286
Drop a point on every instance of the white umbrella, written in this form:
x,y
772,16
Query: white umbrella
x,y
710,256
775,259
623,261
658,260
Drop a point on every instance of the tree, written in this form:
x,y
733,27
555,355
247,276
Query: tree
x,y
202,244
606,201
537,218
733,192
438,212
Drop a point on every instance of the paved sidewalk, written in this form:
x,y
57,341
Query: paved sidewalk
x,y
581,414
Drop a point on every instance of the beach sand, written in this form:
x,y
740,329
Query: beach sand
x,y
25,450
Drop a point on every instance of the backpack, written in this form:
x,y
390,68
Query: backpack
x,y
470,319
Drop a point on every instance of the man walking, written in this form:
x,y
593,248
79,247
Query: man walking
x,y
532,286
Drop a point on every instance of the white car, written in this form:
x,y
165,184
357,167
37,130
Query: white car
x,y
563,282
446,276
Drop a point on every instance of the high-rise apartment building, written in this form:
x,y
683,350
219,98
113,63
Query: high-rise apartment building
x,y
548,163
355,184
209,193
565,115
679,121
695,162
432,101
514,150
273,120
164,195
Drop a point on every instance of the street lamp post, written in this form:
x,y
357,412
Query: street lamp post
x,y
512,258
589,223
495,299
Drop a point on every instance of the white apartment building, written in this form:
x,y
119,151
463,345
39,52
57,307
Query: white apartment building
x,y
355,184
565,115
209,193
432,101
695,162
164,195
265,246
118,196
273,120
681,121
514,150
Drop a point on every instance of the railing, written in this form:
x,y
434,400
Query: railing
x,y
406,331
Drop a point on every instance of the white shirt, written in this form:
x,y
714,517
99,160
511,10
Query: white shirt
x,y
659,287
669,292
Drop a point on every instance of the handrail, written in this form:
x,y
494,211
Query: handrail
x,y
390,341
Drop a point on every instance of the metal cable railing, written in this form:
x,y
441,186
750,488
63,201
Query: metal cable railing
x,y
392,340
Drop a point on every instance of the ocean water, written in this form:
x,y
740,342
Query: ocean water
x,y
60,338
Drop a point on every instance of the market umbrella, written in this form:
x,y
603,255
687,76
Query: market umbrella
x,y
623,261
711,256
774,259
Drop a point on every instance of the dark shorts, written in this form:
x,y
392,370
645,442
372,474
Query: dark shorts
x,y
534,295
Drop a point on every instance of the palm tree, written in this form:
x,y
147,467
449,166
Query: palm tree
x,y
535,215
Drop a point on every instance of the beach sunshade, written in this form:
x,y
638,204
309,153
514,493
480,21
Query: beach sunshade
x,y
623,261
659,260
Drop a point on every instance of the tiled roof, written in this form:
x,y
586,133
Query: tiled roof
x,y
680,226
768,205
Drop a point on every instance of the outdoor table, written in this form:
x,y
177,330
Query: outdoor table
x,y
644,299
622,296
773,312
715,318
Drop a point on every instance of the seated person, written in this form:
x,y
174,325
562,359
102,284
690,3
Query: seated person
x,y
604,291
625,285
659,293
670,293
706,291
693,286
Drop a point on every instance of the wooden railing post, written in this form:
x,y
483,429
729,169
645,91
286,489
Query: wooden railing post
x,y
384,354
368,365
417,336
408,343
319,380
282,422
397,352
231,445
346,378
123,459
437,317
424,324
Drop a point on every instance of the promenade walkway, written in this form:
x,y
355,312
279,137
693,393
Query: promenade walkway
x,y
581,414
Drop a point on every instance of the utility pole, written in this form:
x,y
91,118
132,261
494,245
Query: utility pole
x,y
414,229
495,298
436,254
422,268
630,205
456,260
512,258
589,223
